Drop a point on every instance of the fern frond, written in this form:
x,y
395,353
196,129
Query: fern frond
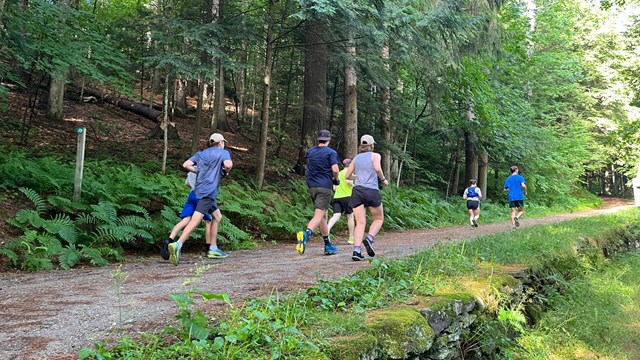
x,y
69,257
105,211
36,199
135,208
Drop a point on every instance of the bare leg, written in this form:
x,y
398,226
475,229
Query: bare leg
x,y
350,224
471,216
318,220
179,226
361,222
520,212
476,214
196,218
513,216
378,218
334,219
212,237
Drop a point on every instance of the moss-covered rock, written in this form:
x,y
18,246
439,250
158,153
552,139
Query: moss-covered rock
x,y
360,346
401,332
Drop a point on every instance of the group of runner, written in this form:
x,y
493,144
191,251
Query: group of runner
x,y
350,191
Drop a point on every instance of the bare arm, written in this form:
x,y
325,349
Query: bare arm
x,y
378,168
189,165
336,171
228,164
349,172
524,188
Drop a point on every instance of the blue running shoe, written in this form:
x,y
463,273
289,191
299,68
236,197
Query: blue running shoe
x,y
330,249
303,237
368,244
216,254
174,253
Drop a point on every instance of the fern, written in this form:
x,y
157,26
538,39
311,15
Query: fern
x,y
94,256
105,211
69,257
35,198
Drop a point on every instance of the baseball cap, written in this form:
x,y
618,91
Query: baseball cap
x,y
367,140
346,162
324,135
216,138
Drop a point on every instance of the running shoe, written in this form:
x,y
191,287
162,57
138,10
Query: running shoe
x,y
303,237
357,256
475,223
350,241
164,248
216,254
174,253
515,219
330,249
368,244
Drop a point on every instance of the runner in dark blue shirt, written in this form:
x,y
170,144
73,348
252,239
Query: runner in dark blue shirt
x,y
322,174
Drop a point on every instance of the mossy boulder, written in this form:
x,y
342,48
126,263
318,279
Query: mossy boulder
x,y
356,347
401,332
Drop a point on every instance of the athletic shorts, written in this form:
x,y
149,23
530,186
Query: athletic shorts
x,y
206,205
473,204
341,205
190,207
321,197
365,196
516,203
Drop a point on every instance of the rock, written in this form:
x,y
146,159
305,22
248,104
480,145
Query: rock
x,y
401,333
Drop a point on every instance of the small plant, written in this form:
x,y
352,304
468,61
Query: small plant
x,y
119,277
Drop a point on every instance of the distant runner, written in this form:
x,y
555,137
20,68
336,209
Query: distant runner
x,y
516,188
473,195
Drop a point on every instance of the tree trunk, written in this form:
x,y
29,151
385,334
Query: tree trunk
x,y
386,117
195,140
1,12
180,97
165,123
471,157
220,101
242,82
483,171
136,108
55,104
351,105
314,111
264,128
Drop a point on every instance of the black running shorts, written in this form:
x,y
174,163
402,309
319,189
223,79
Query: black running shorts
x,y
341,205
365,196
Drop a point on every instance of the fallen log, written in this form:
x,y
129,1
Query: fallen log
x,y
136,108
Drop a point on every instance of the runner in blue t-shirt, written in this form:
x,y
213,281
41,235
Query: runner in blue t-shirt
x,y
212,163
322,174
516,188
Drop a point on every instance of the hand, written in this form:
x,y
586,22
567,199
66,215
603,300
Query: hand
x,y
224,172
336,182
385,182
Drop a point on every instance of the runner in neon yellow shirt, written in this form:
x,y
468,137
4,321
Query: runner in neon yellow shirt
x,y
340,202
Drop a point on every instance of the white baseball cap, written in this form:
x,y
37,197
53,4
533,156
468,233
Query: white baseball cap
x,y
367,140
216,138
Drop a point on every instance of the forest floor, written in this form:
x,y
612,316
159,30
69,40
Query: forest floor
x,y
52,315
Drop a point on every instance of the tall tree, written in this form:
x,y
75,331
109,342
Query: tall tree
x,y
350,104
266,94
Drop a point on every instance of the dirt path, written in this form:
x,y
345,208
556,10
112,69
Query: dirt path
x,y
52,315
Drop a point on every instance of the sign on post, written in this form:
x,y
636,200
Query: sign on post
x,y
77,183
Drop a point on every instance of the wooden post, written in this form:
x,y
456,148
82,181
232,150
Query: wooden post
x,y
77,183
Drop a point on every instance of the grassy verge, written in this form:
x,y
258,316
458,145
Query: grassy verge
x,y
302,324
598,317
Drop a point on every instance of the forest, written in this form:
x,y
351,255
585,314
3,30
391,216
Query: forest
x,y
451,90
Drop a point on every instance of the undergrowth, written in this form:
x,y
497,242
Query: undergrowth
x,y
301,325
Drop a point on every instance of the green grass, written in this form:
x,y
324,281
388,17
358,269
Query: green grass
x,y
597,318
